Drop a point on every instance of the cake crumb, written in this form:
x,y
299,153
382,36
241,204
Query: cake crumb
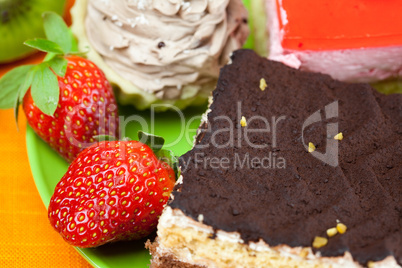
x,y
243,121
319,242
304,253
341,228
339,136
263,84
332,232
118,23
311,147
200,218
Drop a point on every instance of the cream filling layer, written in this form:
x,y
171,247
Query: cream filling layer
x,y
173,222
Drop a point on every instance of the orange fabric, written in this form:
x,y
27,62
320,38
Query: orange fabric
x,y
26,237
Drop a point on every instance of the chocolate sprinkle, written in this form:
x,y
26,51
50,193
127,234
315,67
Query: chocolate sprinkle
x,y
161,44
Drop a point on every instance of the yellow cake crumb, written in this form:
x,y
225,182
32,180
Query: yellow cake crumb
x,y
341,228
263,84
311,147
332,231
243,121
319,242
304,253
339,136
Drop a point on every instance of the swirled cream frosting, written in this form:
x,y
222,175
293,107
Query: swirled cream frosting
x,y
163,46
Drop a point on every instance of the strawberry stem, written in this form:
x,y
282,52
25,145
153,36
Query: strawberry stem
x,y
153,141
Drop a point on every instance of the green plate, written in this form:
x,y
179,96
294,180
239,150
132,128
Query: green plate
x,y
177,129
48,167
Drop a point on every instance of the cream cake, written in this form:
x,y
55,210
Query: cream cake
x,y
355,41
160,52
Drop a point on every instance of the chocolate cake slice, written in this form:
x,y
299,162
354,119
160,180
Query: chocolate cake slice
x,y
289,169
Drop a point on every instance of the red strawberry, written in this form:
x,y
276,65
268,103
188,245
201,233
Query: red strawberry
x,y
112,191
67,99
86,108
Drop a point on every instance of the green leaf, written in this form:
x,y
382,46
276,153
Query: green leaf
x,y
26,84
22,91
49,56
16,110
168,157
58,65
74,44
10,84
56,30
104,138
153,141
44,45
45,89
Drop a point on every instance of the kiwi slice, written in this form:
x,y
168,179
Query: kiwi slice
x,y
21,20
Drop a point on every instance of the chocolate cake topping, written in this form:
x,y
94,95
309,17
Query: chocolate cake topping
x,y
259,178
